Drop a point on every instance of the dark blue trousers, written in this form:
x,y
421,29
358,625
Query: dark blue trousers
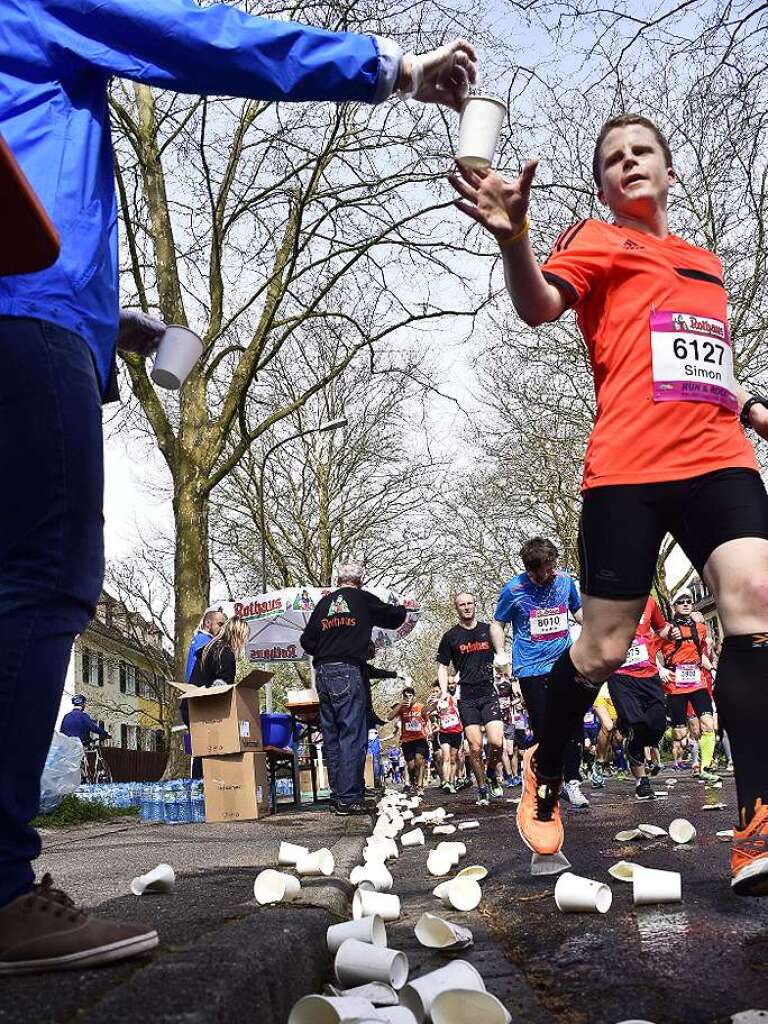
x,y
344,721
51,558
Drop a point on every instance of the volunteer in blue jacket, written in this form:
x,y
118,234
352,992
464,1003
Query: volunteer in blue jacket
x,y
58,333
537,603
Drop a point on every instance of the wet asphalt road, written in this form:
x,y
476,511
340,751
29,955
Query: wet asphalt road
x,y
694,962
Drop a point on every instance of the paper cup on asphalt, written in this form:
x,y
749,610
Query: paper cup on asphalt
x,y
365,929
622,870
574,894
318,863
366,902
357,962
159,879
464,893
460,1005
651,831
481,119
476,871
456,850
682,831
177,353
331,1010
275,887
652,886
376,992
419,993
443,830
439,862
466,825
441,891
289,853
395,1015
628,835
436,933
413,838
375,872
725,835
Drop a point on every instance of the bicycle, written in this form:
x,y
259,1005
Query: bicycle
x,y
94,767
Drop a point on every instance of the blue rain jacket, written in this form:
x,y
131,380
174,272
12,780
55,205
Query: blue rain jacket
x,y
56,58
80,724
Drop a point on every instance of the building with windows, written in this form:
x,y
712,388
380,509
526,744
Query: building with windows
x,y
121,666
704,602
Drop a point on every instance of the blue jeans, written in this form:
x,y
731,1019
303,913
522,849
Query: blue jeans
x,y
343,718
51,558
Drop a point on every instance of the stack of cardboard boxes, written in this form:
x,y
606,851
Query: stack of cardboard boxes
x,y
225,725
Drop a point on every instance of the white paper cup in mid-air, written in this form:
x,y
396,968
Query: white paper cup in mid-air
x,y
682,831
332,1010
289,853
364,929
650,885
159,879
419,993
367,901
357,962
177,353
275,887
413,838
318,863
436,933
464,893
460,1005
481,119
574,894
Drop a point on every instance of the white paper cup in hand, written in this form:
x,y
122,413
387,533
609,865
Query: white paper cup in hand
x,y
177,353
367,901
413,838
357,962
575,894
332,1010
318,863
681,831
479,127
159,879
650,885
365,929
464,893
419,993
275,887
289,853
459,1005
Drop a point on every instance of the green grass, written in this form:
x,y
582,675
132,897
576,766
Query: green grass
x,y
73,811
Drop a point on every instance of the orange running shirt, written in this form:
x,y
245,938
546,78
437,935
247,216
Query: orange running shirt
x,y
641,656
626,287
683,659
412,724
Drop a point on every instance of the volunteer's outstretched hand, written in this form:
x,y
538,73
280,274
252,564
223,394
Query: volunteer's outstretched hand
x,y
440,76
499,205
138,332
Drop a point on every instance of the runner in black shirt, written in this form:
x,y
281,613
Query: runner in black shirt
x,y
467,646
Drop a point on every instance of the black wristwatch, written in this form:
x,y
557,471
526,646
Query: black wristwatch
x,y
755,400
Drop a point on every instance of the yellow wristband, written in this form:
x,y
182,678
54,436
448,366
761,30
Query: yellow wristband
x,y
521,233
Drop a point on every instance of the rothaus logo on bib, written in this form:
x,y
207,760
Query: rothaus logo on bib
x,y
549,623
692,359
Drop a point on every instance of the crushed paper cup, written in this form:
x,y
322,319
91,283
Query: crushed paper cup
x,y
439,862
290,853
464,893
650,885
443,830
331,1010
714,807
441,891
159,879
628,835
681,831
622,870
575,894
460,1005
366,902
365,929
652,831
476,871
413,838
418,995
395,1015
376,992
406,815
671,782
465,825
273,886
436,933
359,962
318,863
725,835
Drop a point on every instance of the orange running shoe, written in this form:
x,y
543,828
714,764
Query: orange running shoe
x,y
749,855
538,813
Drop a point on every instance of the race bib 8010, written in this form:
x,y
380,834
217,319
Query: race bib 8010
x,y
549,623
692,359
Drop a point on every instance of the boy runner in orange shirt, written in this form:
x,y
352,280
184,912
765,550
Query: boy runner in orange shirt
x,y
413,736
653,313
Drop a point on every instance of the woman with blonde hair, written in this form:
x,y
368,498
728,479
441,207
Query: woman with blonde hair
x,y
217,661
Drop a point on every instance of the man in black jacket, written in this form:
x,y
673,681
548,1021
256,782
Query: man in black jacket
x,y
337,636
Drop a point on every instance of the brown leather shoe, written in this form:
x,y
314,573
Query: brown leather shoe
x,y
43,930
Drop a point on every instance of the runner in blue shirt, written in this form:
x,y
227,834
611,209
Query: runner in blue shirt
x,y
537,603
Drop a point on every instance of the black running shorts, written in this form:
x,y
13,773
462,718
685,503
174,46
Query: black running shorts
x,y
638,701
622,526
453,739
480,709
413,747
677,706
